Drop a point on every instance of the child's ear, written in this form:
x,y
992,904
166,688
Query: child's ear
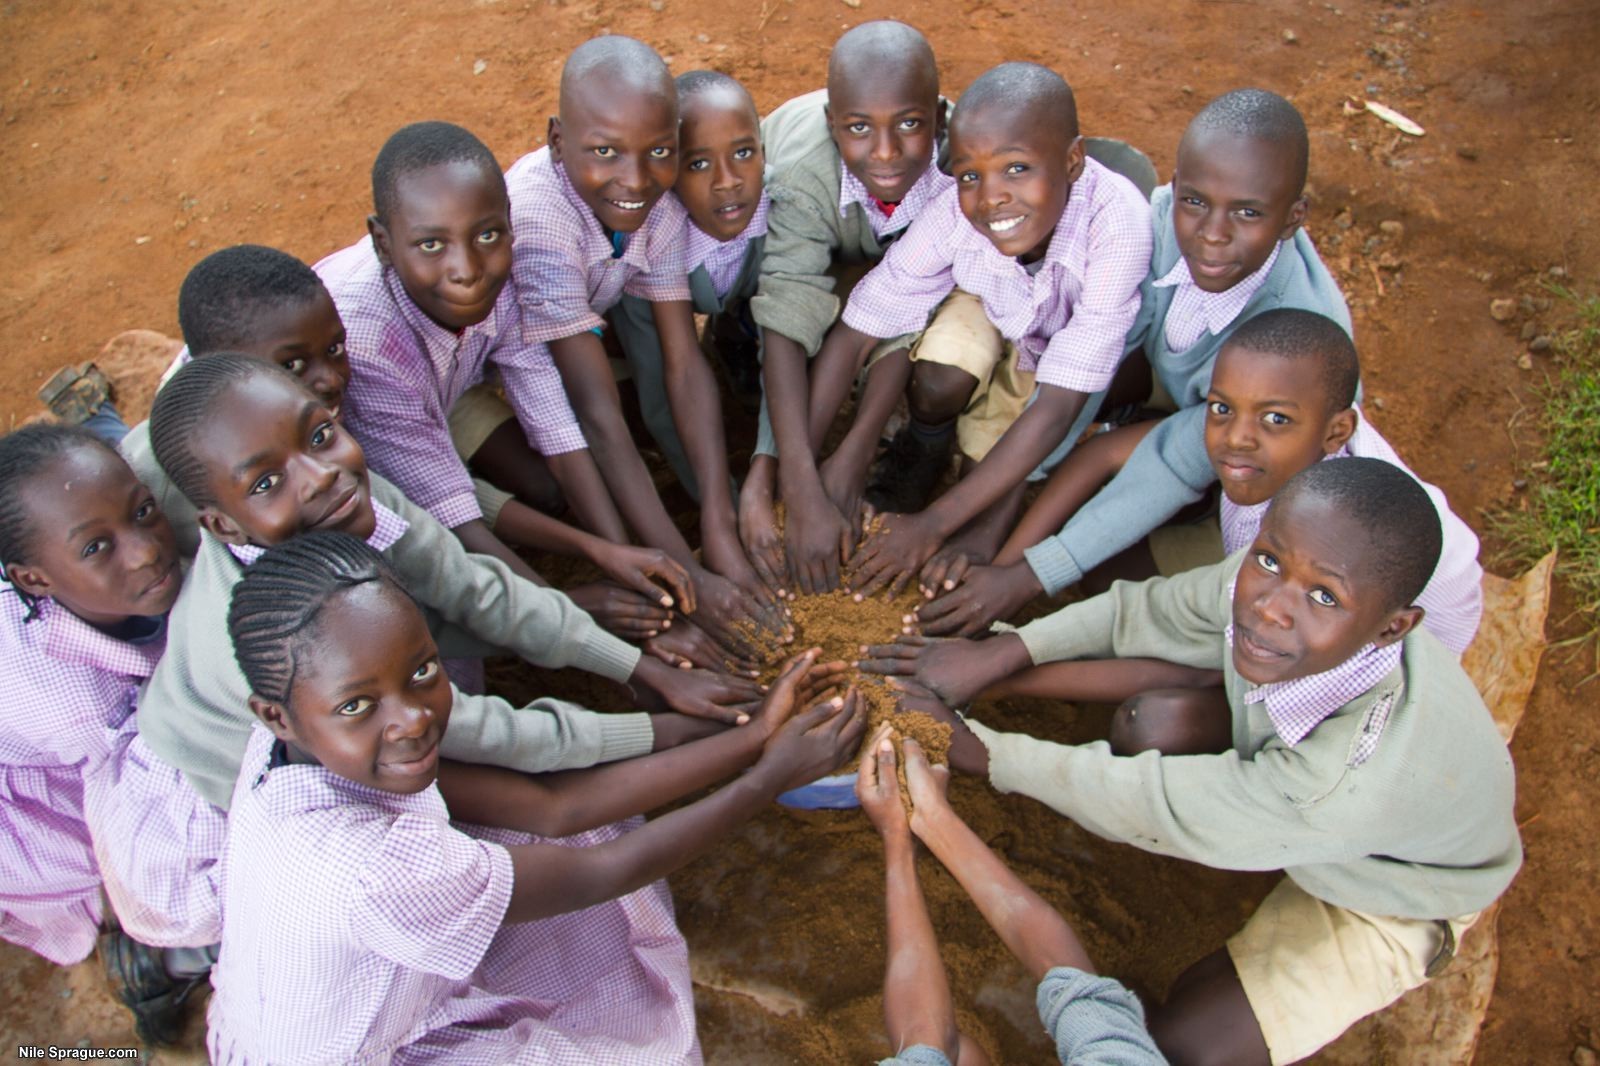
x,y
29,579
552,136
220,526
1341,427
380,240
273,716
1075,159
1297,218
1402,622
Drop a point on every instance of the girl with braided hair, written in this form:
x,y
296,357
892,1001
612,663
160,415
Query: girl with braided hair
x,y
426,897
90,572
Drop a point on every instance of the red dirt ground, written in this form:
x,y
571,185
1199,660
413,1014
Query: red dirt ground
x,y
140,137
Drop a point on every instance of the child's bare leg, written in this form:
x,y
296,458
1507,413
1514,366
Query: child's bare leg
x,y
1081,474
1207,1018
1174,721
505,460
971,1052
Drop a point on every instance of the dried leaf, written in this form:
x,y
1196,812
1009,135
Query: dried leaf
x,y
1395,118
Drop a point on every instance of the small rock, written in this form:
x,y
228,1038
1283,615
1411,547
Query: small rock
x,y
1539,344
1392,229
1530,330
1519,485
1468,152
1390,261
1583,1056
479,66
851,3
1524,361
1187,90
1470,465
1290,37
703,38
1503,309
1344,219
1377,401
141,240
1557,272
658,5
1486,277
66,993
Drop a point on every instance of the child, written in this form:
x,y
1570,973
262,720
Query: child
x,y
721,187
1363,763
261,302
90,569
428,308
1091,1019
345,881
262,460
1053,244
852,166
1229,244
593,221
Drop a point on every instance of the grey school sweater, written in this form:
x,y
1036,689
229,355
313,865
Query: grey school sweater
x,y
806,234
193,710
1423,828
1169,468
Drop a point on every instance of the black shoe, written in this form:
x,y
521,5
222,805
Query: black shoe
x,y
138,976
908,471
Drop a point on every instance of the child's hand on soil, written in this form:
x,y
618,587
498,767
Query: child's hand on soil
x,y
967,752
724,554
650,572
953,670
723,605
816,539
929,787
891,554
878,788
843,483
686,645
983,595
700,693
758,528
946,569
786,693
814,743
622,611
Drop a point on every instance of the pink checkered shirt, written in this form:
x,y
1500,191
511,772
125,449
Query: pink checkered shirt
x,y
386,533
1195,312
1453,598
407,371
922,194
722,259
338,893
1068,321
67,685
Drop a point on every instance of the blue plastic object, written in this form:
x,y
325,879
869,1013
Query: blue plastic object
x,y
834,793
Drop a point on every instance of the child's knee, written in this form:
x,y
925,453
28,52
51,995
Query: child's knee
x,y
938,393
1175,721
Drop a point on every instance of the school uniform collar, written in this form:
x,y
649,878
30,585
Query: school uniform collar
x,y
1219,309
597,244
443,344
1240,524
386,533
69,639
287,789
700,244
926,188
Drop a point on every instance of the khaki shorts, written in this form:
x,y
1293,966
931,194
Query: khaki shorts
x,y
476,415
1311,969
1176,549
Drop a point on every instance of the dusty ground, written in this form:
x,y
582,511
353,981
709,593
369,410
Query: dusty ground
x,y
140,137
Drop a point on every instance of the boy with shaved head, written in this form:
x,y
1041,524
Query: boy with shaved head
x,y
1050,247
593,221
1361,762
1228,245
852,166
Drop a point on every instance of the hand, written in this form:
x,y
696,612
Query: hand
x,y
948,566
700,693
686,645
813,743
758,526
802,683
953,670
816,538
621,611
986,594
967,752
723,554
843,482
721,606
650,572
929,787
891,555
878,788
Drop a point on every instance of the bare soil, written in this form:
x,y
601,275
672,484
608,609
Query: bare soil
x,y
140,137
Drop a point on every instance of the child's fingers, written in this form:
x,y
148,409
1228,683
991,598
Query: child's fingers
x,y
868,768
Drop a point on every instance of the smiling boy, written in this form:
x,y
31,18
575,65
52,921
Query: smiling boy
x,y
1363,763
1053,245
1228,245
593,221
263,460
722,190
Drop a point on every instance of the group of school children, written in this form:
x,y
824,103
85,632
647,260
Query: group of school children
x,y
245,701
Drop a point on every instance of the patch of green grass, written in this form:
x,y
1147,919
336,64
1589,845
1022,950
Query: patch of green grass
x,y
1562,504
